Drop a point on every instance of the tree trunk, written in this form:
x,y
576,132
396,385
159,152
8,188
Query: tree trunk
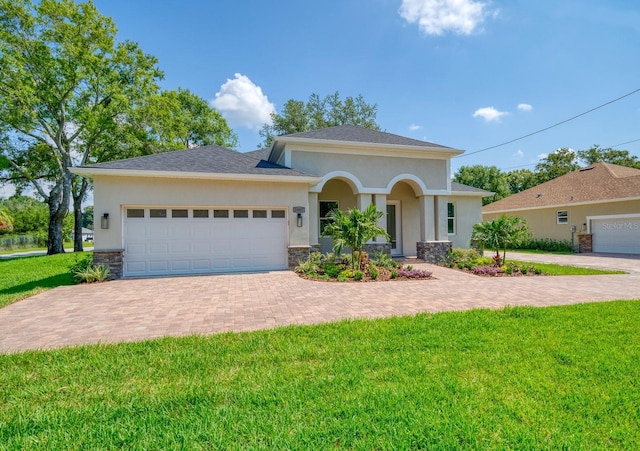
x,y
58,202
78,197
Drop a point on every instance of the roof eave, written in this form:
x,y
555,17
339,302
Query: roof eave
x,y
564,205
91,172
445,151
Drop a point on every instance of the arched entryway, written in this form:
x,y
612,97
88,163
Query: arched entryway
x,y
337,193
403,219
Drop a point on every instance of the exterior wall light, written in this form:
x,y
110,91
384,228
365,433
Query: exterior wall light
x,y
299,220
104,221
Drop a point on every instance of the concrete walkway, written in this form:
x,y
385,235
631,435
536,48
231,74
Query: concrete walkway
x,y
139,309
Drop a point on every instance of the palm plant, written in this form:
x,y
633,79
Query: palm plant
x,y
501,233
353,229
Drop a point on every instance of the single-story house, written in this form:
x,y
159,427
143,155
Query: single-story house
x,y
212,209
597,207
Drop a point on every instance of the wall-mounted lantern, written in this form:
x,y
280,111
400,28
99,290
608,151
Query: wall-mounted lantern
x,y
299,220
104,221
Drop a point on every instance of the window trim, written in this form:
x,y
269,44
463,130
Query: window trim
x,y
559,217
452,218
321,218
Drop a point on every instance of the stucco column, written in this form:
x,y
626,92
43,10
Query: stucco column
x,y
441,218
364,200
381,205
313,218
427,219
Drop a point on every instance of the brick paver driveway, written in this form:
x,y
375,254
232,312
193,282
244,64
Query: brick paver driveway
x,y
138,309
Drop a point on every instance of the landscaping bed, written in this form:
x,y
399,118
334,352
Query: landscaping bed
x,y
332,268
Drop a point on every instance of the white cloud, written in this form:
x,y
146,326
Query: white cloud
x,y
242,102
524,107
489,114
519,153
414,127
542,156
435,17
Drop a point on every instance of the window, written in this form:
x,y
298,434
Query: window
x,y
182,213
326,207
259,213
200,213
277,213
451,218
158,213
240,213
135,212
562,217
220,213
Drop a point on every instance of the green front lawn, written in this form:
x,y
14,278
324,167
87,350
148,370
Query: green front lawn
x,y
517,378
22,277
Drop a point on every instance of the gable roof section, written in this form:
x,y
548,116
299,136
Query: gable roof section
x,y
597,183
206,161
353,133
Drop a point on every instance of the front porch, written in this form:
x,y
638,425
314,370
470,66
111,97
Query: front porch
x,y
415,219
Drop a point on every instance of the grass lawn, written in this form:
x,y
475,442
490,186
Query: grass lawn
x,y
517,378
22,277
562,270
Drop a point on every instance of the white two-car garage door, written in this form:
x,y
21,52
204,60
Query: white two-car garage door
x,y
616,234
178,240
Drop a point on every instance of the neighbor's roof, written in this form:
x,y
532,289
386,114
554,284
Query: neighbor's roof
x,y
208,159
597,183
353,133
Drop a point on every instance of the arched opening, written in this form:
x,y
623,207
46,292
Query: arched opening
x,y
336,193
403,213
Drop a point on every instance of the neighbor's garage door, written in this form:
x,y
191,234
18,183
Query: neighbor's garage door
x,y
616,235
160,241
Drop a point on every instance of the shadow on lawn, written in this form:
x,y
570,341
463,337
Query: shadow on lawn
x,y
46,282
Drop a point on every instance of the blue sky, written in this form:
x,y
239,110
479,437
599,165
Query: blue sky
x,y
463,73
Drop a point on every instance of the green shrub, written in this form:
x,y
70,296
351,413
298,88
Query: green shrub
x,y
373,272
332,270
83,270
345,275
384,260
97,273
394,273
546,244
358,275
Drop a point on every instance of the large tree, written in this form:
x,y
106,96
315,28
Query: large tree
x,y
180,119
489,178
298,116
65,88
598,154
560,162
521,179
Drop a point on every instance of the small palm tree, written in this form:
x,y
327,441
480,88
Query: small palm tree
x,y
501,233
353,229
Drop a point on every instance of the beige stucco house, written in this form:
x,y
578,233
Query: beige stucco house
x,y
597,208
211,209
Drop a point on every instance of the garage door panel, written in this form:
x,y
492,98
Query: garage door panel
x,y
156,246
616,235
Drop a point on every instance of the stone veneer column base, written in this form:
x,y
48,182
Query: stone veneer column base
x,y
433,251
112,258
585,243
298,254
373,248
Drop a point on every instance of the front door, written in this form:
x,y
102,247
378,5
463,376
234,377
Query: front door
x,y
394,228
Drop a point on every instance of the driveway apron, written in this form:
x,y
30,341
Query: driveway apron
x,y
140,309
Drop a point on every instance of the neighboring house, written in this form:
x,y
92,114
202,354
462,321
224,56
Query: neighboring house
x,y
87,234
598,206
211,209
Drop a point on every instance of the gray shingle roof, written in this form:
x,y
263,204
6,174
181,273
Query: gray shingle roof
x,y
208,159
354,133
459,187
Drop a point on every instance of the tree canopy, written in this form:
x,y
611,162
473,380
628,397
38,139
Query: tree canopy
x,y
330,111
489,178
